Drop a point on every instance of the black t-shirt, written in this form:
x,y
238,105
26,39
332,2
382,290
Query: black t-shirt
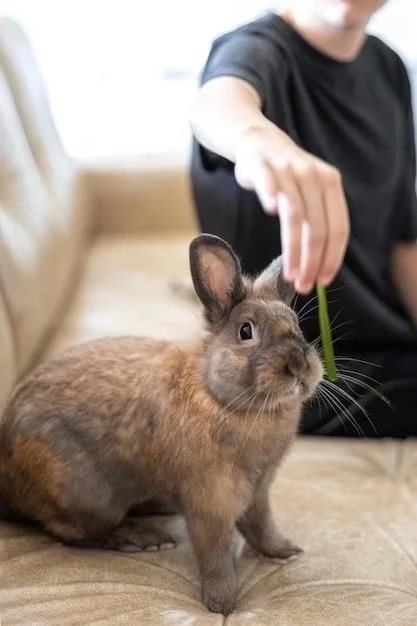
x,y
355,115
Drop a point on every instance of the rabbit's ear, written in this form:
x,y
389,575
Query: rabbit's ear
x,y
217,275
270,284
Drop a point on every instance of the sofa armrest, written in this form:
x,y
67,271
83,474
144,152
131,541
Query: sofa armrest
x,y
145,195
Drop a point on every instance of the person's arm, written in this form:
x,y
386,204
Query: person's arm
x,y
306,192
225,108
404,275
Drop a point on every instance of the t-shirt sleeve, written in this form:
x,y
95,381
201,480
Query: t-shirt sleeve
x,y
242,55
406,199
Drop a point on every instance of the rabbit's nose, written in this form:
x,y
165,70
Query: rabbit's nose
x,y
296,363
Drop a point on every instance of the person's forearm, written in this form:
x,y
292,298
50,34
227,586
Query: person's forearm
x,y
225,109
404,276
304,191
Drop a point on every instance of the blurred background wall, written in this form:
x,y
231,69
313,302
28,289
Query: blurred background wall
x,y
121,73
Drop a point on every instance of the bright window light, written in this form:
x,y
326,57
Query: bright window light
x,y
122,73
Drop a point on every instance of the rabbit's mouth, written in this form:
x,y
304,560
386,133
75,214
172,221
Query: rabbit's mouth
x,y
298,389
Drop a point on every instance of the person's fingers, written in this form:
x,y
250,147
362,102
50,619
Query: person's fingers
x,y
291,215
315,228
308,196
256,175
277,191
290,227
338,225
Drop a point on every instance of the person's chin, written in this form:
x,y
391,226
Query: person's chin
x,y
354,25
348,17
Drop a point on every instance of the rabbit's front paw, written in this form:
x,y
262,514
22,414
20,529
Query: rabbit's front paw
x,y
218,598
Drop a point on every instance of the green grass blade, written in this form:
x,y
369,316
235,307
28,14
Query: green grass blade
x,y
326,335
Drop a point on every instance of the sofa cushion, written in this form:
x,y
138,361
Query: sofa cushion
x,y
151,193
350,504
7,355
40,243
44,209
136,284
26,83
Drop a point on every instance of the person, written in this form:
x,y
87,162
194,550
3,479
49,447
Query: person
x,y
303,145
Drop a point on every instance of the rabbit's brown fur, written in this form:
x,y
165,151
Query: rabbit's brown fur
x,y
110,424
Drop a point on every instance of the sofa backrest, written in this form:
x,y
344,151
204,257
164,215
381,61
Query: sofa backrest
x,y
44,212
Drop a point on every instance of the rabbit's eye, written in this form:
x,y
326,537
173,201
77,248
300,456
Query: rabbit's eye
x,y
246,331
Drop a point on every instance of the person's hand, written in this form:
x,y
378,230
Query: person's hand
x,y
307,195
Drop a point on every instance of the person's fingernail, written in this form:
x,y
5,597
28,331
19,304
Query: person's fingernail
x,y
304,288
290,274
326,280
270,205
300,287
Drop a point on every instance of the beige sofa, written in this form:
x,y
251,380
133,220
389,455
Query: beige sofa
x,y
86,252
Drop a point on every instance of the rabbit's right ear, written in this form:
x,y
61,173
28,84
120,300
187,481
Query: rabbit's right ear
x,y
270,284
217,276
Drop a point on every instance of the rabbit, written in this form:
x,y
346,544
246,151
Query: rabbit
x,y
113,423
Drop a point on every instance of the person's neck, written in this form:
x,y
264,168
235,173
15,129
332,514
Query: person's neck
x,y
341,44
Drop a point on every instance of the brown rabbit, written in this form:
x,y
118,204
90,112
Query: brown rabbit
x,y
108,425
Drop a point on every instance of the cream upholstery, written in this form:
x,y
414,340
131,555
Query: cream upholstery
x,y
44,215
158,186
352,505
129,287
8,368
30,98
